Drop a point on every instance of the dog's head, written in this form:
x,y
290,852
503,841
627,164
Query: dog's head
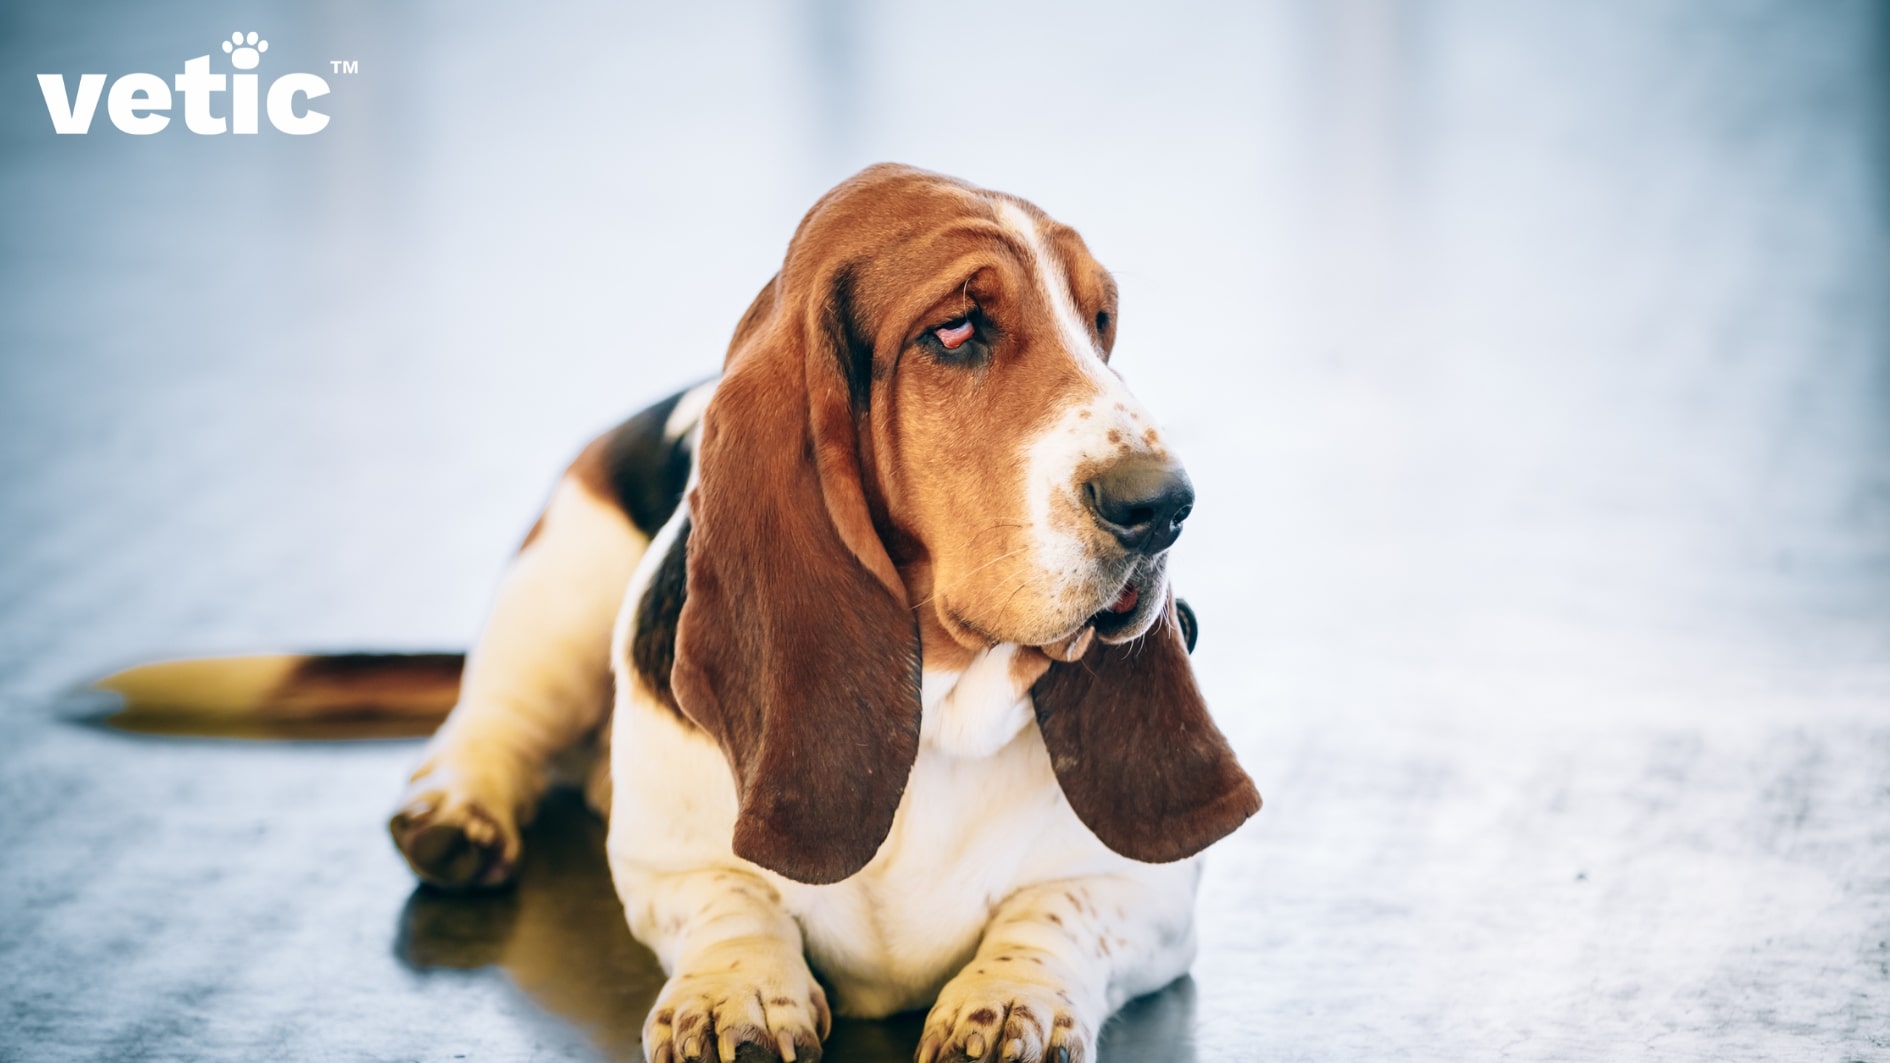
x,y
917,419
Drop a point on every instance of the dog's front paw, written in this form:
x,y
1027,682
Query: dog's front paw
x,y
985,1015
453,840
739,1006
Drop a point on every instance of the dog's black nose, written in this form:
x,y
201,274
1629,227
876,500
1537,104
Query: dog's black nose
x,y
1142,502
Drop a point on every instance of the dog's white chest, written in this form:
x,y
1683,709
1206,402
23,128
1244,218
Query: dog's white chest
x,y
980,794
981,816
967,827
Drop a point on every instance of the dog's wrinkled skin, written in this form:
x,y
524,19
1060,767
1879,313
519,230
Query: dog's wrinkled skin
x,y
894,701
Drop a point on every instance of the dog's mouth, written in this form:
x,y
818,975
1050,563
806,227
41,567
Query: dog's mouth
x,y
1134,608
1124,602
1127,616
1117,614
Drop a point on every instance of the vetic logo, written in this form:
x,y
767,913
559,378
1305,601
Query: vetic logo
x,y
139,103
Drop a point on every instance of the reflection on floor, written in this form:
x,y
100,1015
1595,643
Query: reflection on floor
x,y
560,936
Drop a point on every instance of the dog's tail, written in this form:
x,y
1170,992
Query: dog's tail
x,y
347,695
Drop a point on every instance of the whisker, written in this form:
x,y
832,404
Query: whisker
x,y
1000,525
1021,584
980,568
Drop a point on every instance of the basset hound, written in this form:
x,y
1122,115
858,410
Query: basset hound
x,y
876,634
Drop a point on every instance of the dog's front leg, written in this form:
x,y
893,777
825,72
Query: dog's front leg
x,y
1057,960
739,986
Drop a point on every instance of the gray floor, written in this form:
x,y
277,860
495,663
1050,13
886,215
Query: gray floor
x,y
1533,363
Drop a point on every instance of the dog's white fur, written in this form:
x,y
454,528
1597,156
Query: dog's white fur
x,y
538,680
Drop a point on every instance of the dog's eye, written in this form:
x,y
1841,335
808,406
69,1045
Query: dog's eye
x,y
1102,322
953,334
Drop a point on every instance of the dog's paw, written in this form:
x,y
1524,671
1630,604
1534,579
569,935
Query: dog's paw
x,y
453,841
741,1007
983,1016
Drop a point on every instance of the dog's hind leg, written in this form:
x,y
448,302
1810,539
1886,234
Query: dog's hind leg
x,y
537,683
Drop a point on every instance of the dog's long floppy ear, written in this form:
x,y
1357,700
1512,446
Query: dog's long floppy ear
x,y
1135,751
796,648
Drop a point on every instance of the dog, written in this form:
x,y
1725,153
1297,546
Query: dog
x,y
873,643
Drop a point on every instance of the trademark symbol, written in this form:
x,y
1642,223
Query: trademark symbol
x,y
344,66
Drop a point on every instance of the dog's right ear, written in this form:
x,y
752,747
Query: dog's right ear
x,y
1133,746
795,647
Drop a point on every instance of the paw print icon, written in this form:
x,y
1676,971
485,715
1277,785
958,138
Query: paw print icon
x,y
245,51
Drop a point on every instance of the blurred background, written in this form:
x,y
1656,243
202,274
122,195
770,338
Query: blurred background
x,y
1532,362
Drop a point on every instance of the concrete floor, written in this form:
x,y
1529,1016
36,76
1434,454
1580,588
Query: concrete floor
x,y
1532,363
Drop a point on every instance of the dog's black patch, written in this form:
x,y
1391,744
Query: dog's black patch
x,y
639,466
653,647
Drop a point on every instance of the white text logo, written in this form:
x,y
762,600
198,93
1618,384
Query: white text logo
x,y
140,104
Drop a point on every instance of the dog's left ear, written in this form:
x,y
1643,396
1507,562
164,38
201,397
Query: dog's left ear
x,y
1135,750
